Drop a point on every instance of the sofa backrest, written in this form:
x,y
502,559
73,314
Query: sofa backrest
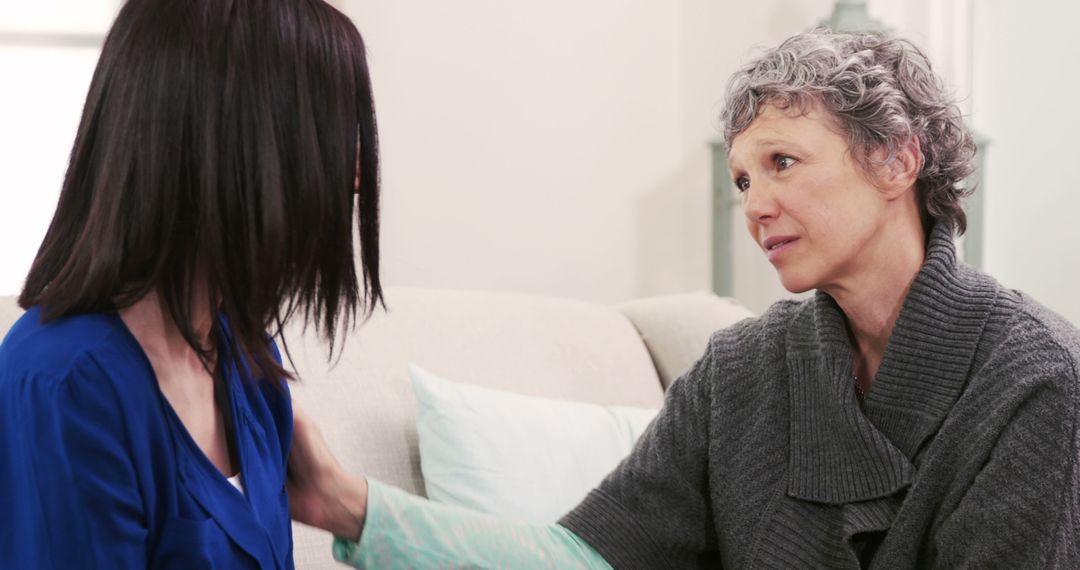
x,y
9,313
676,328
538,346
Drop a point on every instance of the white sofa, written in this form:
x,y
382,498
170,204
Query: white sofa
x,y
541,346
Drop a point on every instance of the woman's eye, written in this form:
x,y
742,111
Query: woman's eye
x,y
742,183
784,162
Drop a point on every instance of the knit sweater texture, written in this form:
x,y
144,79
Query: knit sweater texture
x,y
963,455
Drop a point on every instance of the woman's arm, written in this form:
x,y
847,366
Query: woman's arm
x,y
377,526
321,493
70,497
405,531
1023,510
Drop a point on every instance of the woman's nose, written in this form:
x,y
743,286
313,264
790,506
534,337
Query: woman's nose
x,y
759,204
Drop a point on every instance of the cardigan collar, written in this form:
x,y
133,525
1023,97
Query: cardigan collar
x,y
841,453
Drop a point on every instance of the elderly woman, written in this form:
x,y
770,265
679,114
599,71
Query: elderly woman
x,y
912,413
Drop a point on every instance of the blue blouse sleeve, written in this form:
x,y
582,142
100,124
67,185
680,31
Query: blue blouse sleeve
x,y
83,479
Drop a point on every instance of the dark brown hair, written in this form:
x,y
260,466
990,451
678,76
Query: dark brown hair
x,y
217,150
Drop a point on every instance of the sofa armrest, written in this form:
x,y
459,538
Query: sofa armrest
x,y
676,328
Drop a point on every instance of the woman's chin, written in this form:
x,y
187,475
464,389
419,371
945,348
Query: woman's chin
x,y
796,283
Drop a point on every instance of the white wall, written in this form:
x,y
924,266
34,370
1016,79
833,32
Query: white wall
x,y
39,118
1025,101
68,16
42,91
518,139
562,147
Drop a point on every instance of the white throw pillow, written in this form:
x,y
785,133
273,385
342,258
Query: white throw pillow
x,y
519,457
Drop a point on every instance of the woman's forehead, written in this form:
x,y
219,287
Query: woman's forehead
x,y
774,127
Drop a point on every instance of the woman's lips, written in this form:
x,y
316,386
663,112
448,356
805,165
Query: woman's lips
x,y
776,246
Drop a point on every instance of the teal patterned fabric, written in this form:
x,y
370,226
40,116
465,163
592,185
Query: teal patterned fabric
x,y
405,531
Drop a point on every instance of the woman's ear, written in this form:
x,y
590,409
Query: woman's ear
x,y
899,174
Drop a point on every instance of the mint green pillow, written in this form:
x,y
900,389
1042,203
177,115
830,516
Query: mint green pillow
x,y
519,457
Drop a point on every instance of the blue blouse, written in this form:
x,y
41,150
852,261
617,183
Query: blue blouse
x,y
97,471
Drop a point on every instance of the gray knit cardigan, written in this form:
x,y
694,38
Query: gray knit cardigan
x,y
964,454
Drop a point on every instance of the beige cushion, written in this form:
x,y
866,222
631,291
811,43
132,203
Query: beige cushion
x,y
535,346
676,328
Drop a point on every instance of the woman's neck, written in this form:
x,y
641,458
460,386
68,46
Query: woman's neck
x,y
871,299
150,322
181,373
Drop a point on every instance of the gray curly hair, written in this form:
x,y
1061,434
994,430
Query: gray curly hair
x,y
881,91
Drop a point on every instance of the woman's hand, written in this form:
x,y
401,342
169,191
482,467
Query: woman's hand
x,y
321,493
